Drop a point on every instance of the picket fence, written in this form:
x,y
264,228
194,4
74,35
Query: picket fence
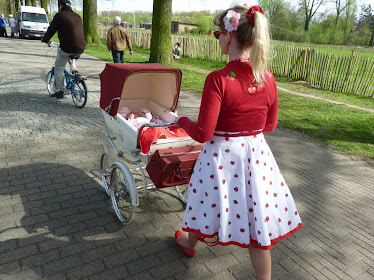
x,y
332,72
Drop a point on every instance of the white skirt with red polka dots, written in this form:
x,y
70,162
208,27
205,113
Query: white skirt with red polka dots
x,y
237,195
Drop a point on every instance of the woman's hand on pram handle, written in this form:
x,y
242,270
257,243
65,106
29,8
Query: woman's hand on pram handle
x,y
176,121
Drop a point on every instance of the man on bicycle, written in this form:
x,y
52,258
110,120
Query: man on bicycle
x,y
69,26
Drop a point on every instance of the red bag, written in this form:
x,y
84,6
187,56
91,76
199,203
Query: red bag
x,y
173,166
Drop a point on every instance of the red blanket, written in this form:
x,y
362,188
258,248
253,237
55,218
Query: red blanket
x,y
152,134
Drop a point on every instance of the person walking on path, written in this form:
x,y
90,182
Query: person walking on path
x,y
237,194
13,26
117,40
3,26
69,26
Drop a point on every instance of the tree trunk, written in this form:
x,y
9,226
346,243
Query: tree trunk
x,y
307,24
28,3
91,33
307,19
44,4
161,32
337,18
371,43
33,3
16,6
9,7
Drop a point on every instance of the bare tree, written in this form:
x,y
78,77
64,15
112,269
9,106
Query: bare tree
x,y
340,6
44,4
310,8
16,5
9,7
348,21
367,19
161,31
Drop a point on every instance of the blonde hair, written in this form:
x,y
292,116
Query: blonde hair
x,y
255,39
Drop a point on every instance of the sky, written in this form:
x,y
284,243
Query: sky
x,y
182,5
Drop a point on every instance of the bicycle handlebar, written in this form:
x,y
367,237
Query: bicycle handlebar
x,y
52,43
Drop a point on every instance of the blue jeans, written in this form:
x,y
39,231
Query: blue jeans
x,y
117,56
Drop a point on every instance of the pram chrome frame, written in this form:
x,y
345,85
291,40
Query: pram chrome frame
x,y
123,175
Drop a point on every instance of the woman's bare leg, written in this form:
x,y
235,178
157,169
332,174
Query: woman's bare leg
x,y
189,242
261,260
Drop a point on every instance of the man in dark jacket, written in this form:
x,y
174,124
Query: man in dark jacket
x,y
69,26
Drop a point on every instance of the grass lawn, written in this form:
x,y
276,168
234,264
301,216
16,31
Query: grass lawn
x,y
347,130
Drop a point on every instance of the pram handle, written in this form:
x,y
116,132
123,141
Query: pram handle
x,y
150,125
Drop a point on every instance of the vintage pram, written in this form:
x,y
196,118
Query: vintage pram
x,y
136,86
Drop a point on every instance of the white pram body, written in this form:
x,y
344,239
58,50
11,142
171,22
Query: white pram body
x,y
136,86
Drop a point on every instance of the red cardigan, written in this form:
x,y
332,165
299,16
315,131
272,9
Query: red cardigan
x,y
233,101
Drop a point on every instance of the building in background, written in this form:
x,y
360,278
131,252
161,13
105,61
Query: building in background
x,y
181,27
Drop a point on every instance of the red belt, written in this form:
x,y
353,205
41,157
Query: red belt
x,y
247,133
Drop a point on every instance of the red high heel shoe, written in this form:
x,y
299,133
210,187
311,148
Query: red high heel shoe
x,y
188,252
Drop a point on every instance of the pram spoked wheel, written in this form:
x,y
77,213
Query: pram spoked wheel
x,y
123,192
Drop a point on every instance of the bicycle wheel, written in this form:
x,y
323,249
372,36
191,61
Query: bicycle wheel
x,y
182,192
122,194
105,172
79,93
50,80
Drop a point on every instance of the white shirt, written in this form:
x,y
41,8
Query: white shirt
x,y
12,22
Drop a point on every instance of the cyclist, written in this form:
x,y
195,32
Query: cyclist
x,y
69,26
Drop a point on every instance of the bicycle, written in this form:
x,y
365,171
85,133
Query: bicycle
x,y
75,83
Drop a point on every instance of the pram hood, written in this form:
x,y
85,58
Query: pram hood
x,y
139,81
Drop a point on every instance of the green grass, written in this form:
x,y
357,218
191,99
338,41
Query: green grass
x,y
349,98
200,63
102,52
346,129
345,52
333,49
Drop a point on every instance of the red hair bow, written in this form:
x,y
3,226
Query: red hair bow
x,y
251,13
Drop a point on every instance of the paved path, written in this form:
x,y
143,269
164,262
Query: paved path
x,y
56,221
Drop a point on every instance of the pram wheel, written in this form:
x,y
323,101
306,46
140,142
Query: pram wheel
x,y
123,193
105,172
182,192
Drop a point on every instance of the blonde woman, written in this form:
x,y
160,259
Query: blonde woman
x,y
237,194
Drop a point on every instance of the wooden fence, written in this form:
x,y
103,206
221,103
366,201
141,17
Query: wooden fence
x,y
349,74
